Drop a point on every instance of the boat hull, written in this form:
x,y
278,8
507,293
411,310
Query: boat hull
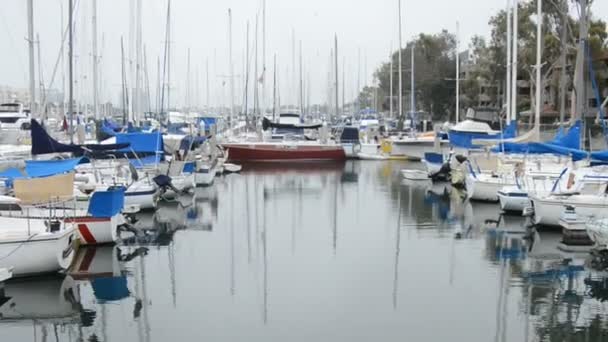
x,y
36,254
483,189
279,152
513,200
97,230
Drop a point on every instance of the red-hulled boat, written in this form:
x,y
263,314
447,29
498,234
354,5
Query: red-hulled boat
x,y
282,151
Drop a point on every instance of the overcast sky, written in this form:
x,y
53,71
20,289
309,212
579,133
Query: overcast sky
x,y
202,26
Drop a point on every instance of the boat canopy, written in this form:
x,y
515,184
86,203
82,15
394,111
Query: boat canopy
x,y
43,143
140,143
107,203
349,135
43,168
266,124
565,143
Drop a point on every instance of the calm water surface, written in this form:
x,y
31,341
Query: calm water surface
x,y
323,252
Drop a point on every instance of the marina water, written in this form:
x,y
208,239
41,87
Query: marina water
x,y
327,252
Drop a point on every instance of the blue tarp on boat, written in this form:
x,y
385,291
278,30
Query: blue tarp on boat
x,y
43,168
43,143
141,143
563,144
463,139
107,203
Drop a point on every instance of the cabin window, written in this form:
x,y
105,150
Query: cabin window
x,y
10,207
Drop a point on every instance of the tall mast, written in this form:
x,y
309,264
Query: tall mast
x,y
231,67
147,81
255,71
207,85
337,84
71,68
539,32
513,115
358,80
168,46
562,77
412,86
580,61
343,85
63,90
188,95
508,76
30,42
95,58
457,72
263,78
125,91
274,90
400,68
293,66
246,109
301,84
138,63
390,80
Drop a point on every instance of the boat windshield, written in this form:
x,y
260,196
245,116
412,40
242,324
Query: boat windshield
x,y
592,188
9,108
9,119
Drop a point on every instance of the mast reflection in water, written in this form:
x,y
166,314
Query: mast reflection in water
x,y
331,252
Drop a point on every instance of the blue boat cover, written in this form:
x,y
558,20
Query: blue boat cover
x,y
110,289
433,157
111,124
43,168
141,143
190,142
189,167
43,143
562,144
465,139
107,203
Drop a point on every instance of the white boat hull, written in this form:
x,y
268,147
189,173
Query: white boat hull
x,y
98,231
548,211
36,253
513,199
483,189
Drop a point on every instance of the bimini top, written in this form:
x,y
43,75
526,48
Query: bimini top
x,y
43,168
43,143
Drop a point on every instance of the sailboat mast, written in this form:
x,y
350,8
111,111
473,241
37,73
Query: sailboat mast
x,y
188,95
509,50
539,31
71,68
343,85
263,78
274,90
457,71
95,58
125,92
30,42
207,85
390,81
168,47
231,67
246,109
412,86
138,65
337,84
301,83
513,115
400,68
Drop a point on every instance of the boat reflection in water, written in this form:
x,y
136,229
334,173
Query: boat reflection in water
x,y
31,309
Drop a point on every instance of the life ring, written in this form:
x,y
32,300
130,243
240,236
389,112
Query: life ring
x,y
357,148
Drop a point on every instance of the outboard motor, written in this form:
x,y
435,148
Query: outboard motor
x,y
164,183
